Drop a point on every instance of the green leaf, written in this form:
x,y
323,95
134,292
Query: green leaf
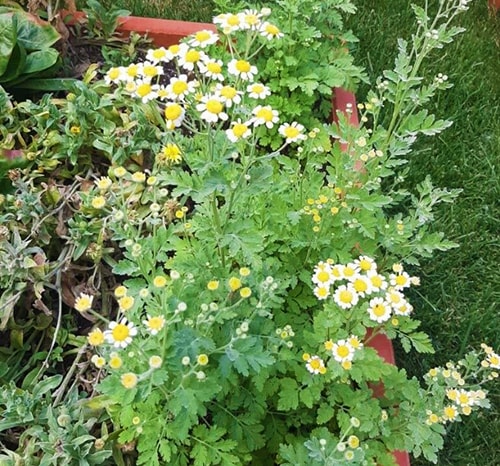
x,y
421,342
48,84
325,413
125,267
288,395
16,64
40,60
7,40
33,33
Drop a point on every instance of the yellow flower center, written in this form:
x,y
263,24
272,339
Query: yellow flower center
x,y
349,271
234,283
214,67
243,66
173,112
251,19
133,70
150,70
214,106
239,129
156,323
179,87
322,292
265,114
343,351
192,56
233,20
360,285
365,265
463,399
345,296
291,132
272,30
400,280
129,380
174,48
376,281
228,92
158,54
315,364
113,73
115,362
202,36
257,88
120,333
323,276
143,89
379,310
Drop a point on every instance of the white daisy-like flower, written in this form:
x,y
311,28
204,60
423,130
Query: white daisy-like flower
x,y
400,281
251,19
258,91
323,275
355,342
154,324
315,365
378,281
265,115
362,285
379,310
212,68
179,87
238,130
146,91
202,38
394,297
293,132
114,75
151,70
342,351
270,31
162,92
174,115
350,271
120,333
337,271
403,308
84,302
228,95
212,109
365,264
242,68
321,292
191,57
229,22
176,50
103,183
345,296
132,71
159,55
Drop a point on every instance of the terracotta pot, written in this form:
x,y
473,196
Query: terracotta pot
x,y
166,32
494,4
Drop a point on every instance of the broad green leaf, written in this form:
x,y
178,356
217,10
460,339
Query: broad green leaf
x,y
7,40
16,64
40,60
33,33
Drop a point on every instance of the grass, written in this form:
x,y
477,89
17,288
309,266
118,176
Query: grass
x,y
459,296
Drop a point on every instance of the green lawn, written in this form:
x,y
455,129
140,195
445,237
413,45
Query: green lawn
x,y
458,299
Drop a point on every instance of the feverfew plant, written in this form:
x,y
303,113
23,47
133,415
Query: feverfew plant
x,y
230,292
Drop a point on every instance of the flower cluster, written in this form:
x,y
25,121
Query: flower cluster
x,y
360,279
208,90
